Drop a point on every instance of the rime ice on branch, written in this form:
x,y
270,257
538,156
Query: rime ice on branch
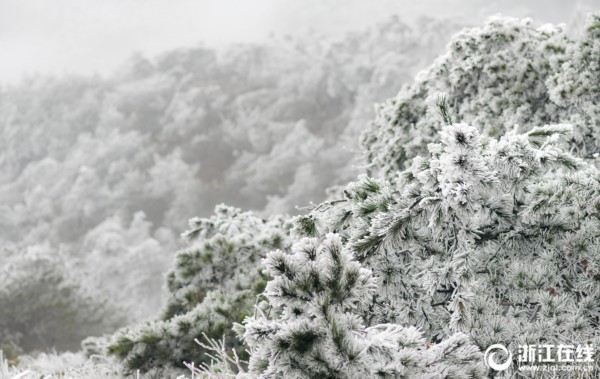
x,y
314,326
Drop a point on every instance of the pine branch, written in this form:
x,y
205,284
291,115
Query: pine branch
x,y
441,101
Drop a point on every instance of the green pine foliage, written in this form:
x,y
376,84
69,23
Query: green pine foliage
x,y
213,285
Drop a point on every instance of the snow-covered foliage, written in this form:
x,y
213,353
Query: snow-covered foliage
x,y
508,72
498,239
246,123
107,170
315,324
576,87
476,232
214,284
492,233
64,366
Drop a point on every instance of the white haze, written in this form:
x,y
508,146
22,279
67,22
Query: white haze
x,y
94,37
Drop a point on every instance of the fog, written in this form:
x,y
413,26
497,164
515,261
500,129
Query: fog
x,y
95,37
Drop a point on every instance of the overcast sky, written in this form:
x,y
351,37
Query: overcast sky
x,y
96,36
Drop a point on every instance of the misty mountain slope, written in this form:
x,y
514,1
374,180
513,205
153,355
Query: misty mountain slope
x,y
104,172
488,234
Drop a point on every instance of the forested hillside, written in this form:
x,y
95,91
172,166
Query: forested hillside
x,y
487,234
460,214
102,174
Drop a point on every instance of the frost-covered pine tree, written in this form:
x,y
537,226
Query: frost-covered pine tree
x,y
505,73
213,285
495,238
315,324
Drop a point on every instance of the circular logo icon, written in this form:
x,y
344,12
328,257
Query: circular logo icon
x,y
491,362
